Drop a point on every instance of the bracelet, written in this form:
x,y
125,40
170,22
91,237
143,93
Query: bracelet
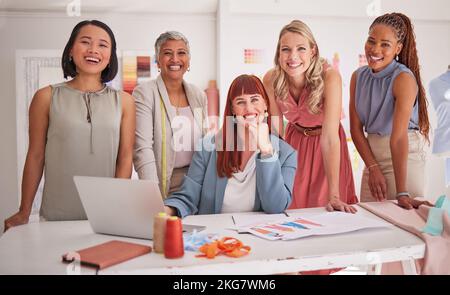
x,y
402,194
373,165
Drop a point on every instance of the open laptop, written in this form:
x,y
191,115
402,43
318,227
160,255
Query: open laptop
x,y
122,207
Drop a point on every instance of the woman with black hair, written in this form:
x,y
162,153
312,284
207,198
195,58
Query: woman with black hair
x,y
388,103
79,127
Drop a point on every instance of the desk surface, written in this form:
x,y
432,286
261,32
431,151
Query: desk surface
x,y
36,248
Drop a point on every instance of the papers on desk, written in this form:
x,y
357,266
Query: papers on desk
x,y
294,227
243,221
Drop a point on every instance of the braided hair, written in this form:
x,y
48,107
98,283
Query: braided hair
x,y
404,32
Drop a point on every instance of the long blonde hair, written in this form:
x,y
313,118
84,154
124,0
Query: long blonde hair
x,y
314,79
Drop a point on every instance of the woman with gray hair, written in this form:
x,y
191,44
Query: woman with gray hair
x,y
170,116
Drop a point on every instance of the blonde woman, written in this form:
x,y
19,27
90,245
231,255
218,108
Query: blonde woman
x,y
304,89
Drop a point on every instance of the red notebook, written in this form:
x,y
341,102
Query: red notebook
x,y
107,254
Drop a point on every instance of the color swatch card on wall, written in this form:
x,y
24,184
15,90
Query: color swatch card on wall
x,y
135,69
253,56
295,227
362,60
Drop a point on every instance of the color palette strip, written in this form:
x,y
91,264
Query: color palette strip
x,y
136,69
253,56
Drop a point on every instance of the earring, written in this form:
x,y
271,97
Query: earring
x,y
189,69
266,115
234,119
159,70
70,58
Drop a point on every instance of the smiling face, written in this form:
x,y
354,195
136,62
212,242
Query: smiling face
x,y
381,47
91,50
295,54
249,109
173,59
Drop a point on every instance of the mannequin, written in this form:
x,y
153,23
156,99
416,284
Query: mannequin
x,y
440,97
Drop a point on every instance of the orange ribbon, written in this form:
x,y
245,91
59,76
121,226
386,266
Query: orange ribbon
x,y
228,246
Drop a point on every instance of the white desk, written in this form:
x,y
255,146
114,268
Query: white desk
x,y
36,248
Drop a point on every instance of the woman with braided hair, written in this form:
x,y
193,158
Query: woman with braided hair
x,y
387,101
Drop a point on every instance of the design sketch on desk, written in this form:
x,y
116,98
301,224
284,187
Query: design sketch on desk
x,y
296,227
271,235
306,222
280,228
294,224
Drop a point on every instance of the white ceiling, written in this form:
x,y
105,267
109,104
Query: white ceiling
x,y
142,6
416,9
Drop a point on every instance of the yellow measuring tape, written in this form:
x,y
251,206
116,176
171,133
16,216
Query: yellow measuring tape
x,y
163,151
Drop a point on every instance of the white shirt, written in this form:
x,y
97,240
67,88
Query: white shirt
x,y
186,134
240,191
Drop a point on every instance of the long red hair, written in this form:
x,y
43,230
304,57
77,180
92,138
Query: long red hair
x,y
229,158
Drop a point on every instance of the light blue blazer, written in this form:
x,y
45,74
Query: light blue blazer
x,y
202,190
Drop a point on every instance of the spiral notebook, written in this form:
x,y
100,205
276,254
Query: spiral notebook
x,y
107,254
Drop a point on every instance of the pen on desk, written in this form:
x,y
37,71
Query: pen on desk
x,y
234,222
236,227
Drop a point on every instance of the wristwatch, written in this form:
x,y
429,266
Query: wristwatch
x,y
403,194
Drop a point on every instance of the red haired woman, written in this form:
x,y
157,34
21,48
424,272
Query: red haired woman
x,y
244,168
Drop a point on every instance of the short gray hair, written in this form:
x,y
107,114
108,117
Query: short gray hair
x,y
170,35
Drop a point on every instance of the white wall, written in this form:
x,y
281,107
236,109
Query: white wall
x,y
50,31
338,26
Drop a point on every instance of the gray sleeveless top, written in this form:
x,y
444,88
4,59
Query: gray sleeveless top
x,y
374,99
82,139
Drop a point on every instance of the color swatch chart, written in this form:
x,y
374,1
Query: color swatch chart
x,y
295,227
